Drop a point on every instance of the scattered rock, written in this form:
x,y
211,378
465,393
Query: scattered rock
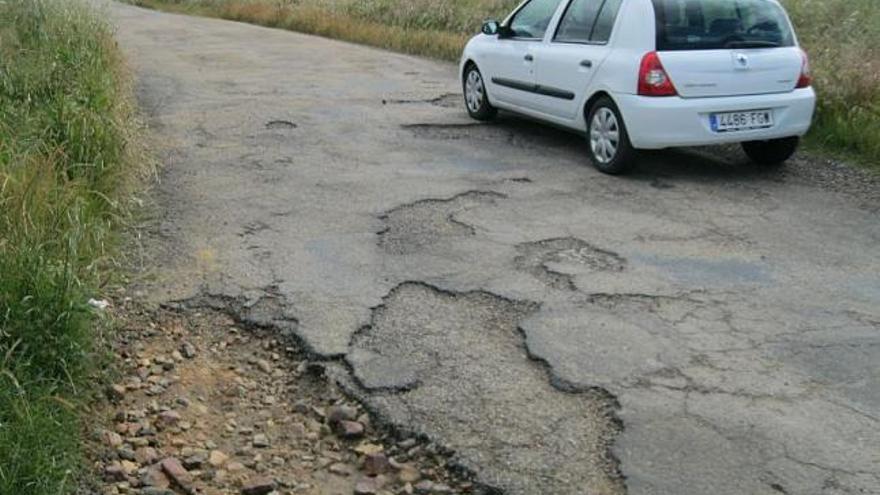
x,y
126,454
430,488
369,485
169,418
129,467
195,461
258,486
188,350
114,472
376,464
367,448
155,490
350,429
217,458
154,476
177,473
340,469
338,414
260,441
146,455
263,365
111,439
301,406
408,474
145,430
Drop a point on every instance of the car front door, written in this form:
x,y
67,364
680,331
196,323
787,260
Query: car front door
x,y
567,64
511,66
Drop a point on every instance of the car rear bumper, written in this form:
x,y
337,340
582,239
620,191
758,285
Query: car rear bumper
x,y
665,122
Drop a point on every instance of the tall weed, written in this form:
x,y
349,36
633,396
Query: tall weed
x,y
66,166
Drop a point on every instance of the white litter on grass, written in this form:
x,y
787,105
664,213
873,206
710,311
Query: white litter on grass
x,y
99,303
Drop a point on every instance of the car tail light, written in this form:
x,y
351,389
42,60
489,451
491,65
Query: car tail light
x,y
653,79
806,78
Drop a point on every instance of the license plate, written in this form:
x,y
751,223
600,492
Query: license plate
x,y
741,121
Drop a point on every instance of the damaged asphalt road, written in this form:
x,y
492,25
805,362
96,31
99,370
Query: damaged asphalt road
x,y
700,327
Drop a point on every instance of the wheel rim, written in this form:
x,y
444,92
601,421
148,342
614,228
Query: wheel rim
x,y
604,135
474,91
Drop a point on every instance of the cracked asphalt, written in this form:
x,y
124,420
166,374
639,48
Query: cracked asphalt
x,y
703,326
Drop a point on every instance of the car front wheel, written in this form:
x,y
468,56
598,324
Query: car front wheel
x,y
772,152
609,145
475,98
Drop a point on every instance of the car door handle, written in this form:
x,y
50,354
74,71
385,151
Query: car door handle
x,y
587,63
529,57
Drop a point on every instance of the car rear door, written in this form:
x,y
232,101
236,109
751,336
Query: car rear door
x,y
510,68
727,47
566,65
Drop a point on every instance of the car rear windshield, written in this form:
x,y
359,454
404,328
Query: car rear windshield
x,y
720,24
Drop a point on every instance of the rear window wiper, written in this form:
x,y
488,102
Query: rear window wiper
x,y
752,44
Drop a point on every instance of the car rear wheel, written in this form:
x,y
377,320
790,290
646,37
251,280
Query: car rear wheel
x,y
609,146
475,98
772,152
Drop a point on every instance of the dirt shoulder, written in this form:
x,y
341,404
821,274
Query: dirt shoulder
x,y
204,405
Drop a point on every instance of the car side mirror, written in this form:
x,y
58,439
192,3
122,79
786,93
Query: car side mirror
x,y
491,28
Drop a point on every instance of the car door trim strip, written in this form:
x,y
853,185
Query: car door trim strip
x,y
534,88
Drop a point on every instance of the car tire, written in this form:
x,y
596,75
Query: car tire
x,y
476,99
608,142
771,153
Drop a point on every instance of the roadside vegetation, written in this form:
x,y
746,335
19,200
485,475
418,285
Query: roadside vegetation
x,y
67,164
841,36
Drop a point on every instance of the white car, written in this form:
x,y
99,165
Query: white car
x,y
647,74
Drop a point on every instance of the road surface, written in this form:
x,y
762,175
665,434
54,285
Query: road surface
x,y
703,326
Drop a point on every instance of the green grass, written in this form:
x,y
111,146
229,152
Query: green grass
x,y
842,37
843,40
67,163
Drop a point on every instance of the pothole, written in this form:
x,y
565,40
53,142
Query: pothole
x,y
453,131
280,125
514,132
268,310
446,100
538,257
454,367
253,228
417,226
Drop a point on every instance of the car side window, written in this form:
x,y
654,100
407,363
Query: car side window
x,y
588,21
533,19
605,22
577,22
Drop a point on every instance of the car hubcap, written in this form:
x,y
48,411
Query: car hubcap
x,y
474,91
604,135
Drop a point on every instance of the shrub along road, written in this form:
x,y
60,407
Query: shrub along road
x,y
703,326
